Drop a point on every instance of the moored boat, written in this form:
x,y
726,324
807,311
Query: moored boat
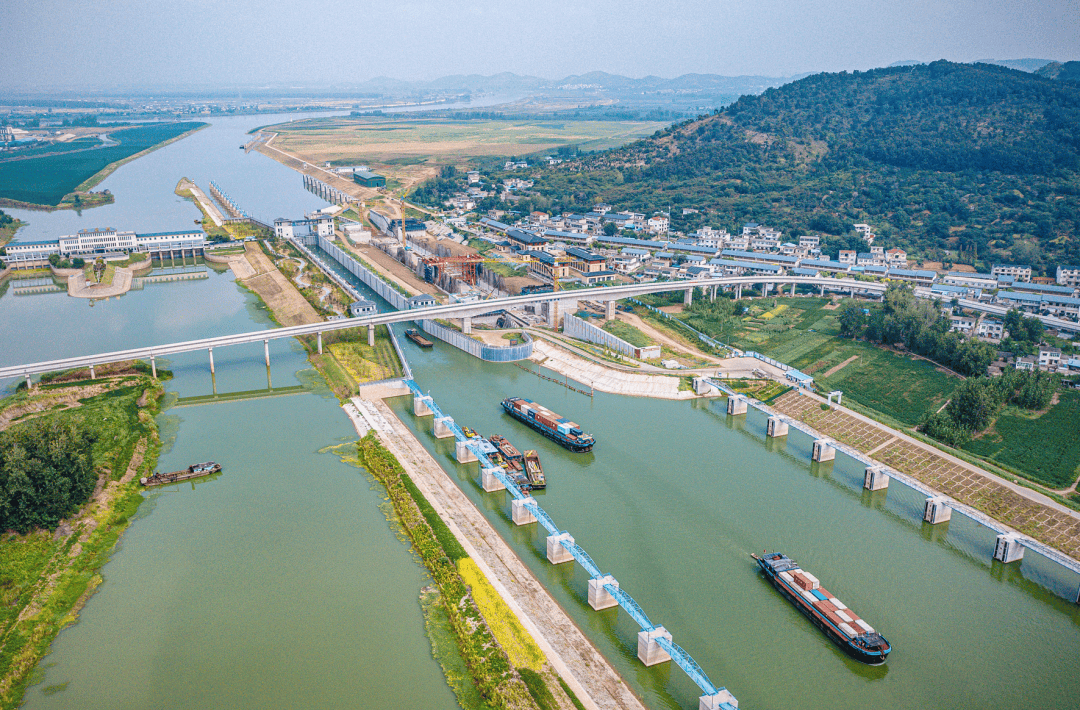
x,y
508,450
554,426
414,335
828,613
197,470
534,470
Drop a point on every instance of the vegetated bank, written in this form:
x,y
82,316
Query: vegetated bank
x,y
63,181
8,226
72,451
505,667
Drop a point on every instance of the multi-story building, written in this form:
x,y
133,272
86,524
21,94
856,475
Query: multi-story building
x,y
984,281
657,225
1018,272
847,257
105,242
896,257
991,329
810,241
1068,276
592,267
1049,358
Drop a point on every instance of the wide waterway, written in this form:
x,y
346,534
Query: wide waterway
x,y
280,583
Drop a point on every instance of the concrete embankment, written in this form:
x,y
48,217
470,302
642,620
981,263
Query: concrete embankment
x,y
78,287
583,668
208,206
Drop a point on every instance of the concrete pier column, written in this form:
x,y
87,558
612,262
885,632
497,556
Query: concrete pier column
x,y
823,290
777,427
701,386
319,340
30,383
600,598
519,513
553,314
876,479
266,351
489,481
211,351
153,368
556,553
371,336
1008,548
442,428
92,375
466,324
609,310
736,405
936,511
738,292
463,453
823,450
648,650
793,289
712,294
716,702
689,298
421,405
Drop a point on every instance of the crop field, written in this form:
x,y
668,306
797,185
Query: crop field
x,y
440,141
47,179
1044,447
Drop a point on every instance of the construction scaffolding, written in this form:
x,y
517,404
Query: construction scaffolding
x,y
456,267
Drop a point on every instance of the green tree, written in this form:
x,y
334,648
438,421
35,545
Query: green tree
x,y
610,229
973,404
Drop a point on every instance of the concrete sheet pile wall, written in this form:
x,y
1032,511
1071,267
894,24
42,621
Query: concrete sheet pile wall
x,y
490,353
372,281
577,328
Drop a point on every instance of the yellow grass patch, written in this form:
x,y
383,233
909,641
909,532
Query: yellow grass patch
x,y
504,624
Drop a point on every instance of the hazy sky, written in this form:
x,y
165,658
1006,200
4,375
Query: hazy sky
x,y
140,43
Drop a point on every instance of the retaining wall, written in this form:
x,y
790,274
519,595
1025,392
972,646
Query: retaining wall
x,y
371,280
578,328
476,348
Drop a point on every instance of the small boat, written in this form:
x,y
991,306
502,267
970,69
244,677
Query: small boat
x,y
414,335
197,470
508,450
534,470
828,613
469,432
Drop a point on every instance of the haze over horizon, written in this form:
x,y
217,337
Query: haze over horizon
x,y
326,42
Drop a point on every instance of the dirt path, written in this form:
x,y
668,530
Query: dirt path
x,y
662,337
572,655
833,370
286,303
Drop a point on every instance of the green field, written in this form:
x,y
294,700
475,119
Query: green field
x,y
1045,447
46,180
628,333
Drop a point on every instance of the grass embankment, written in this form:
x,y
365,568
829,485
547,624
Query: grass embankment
x,y
627,332
45,578
8,227
62,181
505,668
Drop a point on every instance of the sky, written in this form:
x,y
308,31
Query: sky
x,y
131,44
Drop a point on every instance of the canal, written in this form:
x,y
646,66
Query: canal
x,y
281,583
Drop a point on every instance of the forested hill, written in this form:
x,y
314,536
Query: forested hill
x,y
966,162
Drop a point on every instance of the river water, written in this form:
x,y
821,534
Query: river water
x,y
280,582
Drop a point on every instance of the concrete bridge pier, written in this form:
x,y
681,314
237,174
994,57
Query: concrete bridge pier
x,y
553,314
556,552
823,451
718,701
30,383
822,290
876,479
319,340
936,511
443,428
736,405
421,405
489,481
648,650
266,351
519,513
463,453
738,292
600,598
153,368
712,294
777,427
92,375
689,298
1008,548
466,325
609,310
371,336
211,351
792,289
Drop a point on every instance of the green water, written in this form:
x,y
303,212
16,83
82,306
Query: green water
x,y
675,497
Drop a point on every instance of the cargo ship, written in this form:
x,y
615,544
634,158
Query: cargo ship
x,y
534,470
197,470
555,427
828,613
414,335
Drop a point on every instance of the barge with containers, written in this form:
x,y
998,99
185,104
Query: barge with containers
x,y
828,613
554,426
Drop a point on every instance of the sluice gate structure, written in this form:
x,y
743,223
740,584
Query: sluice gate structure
x,y
655,644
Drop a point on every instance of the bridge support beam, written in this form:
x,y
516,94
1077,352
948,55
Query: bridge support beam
x,y
30,383
489,481
443,428
648,650
553,314
716,702
712,294
266,351
92,375
822,287
319,340
519,513
371,336
463,453
875,479
556,553
689,298
600,598
153,368
792,289
211,351
1008,548
936,511
777,427
421,405
609,310
466,324
738,292
823,451
736,405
